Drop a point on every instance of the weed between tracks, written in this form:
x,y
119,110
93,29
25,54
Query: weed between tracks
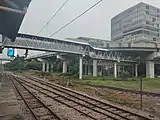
x,y
150,104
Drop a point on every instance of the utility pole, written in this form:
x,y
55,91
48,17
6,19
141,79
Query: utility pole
x,y
140,92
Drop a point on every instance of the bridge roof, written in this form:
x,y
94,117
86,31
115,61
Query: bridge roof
x,y
50,39
100,49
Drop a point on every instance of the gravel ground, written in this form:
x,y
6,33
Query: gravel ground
x,y
124,99
24,111
84,109
61,110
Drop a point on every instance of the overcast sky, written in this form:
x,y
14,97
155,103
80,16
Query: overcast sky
x,y
96,23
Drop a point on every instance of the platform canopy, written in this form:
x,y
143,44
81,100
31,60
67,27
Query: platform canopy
x,y
11,15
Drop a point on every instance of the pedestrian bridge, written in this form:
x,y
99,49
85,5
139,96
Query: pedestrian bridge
x,y
116,51
111,50
31,42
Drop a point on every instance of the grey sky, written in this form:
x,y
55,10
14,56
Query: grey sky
x,y
96,23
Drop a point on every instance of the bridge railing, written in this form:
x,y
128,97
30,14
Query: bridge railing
x,y
25,43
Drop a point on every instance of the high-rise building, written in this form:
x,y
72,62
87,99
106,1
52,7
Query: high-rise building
x,y
141,21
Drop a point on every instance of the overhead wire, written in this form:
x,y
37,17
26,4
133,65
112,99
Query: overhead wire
x,y
76,18
53,16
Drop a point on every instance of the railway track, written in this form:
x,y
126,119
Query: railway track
x,y
88,106
37,108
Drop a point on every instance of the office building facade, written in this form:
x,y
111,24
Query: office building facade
x,y
140,22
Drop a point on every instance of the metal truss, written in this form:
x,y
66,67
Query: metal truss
x,y
65,46
45,45
111,55
43,55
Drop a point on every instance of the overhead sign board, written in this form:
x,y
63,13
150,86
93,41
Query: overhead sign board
x,y
10,52
11,15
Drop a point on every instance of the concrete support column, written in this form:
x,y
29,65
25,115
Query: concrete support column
x,y
95,68
123,68
101,70
115,69
86,69
47,69
51,67
80,68
136,70
89,67
64,66
150,69
118,70
43,66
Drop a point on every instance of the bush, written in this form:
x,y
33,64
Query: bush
x,y
125,75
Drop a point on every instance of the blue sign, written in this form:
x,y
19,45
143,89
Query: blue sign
x,y
10,52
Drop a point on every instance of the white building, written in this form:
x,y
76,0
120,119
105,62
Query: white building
x,y
141,21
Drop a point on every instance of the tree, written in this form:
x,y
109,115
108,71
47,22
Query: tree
x,y
19,63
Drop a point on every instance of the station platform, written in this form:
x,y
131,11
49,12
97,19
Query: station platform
x,y
9,108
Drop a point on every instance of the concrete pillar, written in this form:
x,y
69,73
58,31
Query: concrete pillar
x,y
64,66
89,67
136,70
123,68
47,69
150,69
115,69
95,68
51,67
80,68
43,66
85,69
101,70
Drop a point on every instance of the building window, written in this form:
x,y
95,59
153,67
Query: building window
x,y
129,44
146,32
147,27
107,45
147,12
120,44
157,10
158,35
153,19
147,7
154,39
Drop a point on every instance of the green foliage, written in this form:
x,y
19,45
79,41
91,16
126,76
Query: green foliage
x,y
33,65
42,73
19,64
125,75
148,84
74,66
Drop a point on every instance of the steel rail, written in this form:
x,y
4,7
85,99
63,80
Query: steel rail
x,y
22,81
57,86
35,116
